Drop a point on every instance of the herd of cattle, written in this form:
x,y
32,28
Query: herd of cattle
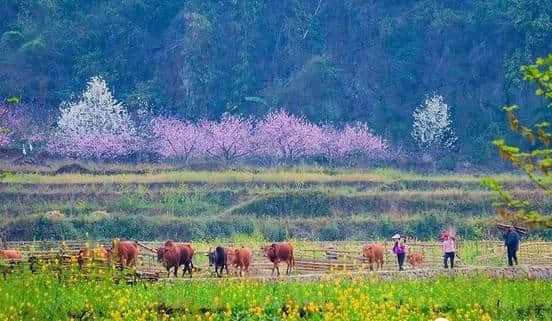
x,y
173,255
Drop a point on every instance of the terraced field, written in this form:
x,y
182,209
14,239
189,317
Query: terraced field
x,y
317,204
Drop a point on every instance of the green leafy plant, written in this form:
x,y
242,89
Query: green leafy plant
x,y
535,160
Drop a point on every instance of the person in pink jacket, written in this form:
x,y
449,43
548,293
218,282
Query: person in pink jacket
x,y
449,249
399,248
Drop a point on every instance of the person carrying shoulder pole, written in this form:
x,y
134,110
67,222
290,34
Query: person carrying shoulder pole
x,y
449,250
511,241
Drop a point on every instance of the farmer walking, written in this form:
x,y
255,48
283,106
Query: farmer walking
x,y
511,241
399,248
449,249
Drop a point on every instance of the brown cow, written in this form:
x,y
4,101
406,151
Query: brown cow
x,y
242,259
11,255
170,256
278,252
374,253
230,254
415,259
126,252
186,254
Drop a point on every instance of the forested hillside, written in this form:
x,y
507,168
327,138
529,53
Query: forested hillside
x,y
331,61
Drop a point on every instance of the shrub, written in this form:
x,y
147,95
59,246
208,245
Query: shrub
x,y
332,232
275,233
307,204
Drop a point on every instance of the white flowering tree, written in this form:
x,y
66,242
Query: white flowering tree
x,y
95,126
432,126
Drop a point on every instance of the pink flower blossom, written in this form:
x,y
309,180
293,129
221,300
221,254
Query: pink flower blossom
x,y
11,121
100,146
229,139
288,137
180,139
352,141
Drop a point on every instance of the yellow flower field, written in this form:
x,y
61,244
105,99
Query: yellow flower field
x,y
70,295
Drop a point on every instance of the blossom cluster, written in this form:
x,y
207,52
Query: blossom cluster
x,y
11,121
432,126
95,126
278,136
98,126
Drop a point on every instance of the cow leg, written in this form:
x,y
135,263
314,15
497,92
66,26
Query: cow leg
x,y
289,266
176,271
188,267
226,266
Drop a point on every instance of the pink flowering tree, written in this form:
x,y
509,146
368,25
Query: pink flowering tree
x,y
229,139
94,145
11,120
287,137
95,126
352,142
6,125
178,139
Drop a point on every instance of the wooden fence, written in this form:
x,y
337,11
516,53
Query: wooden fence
x,y
311,257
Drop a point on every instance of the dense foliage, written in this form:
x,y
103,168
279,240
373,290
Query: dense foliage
x,y
330,61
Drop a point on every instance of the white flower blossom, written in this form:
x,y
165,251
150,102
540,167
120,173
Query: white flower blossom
x,y
432,126
97,112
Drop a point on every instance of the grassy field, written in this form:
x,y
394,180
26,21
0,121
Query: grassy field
x,y
299,175
97,296
309,203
